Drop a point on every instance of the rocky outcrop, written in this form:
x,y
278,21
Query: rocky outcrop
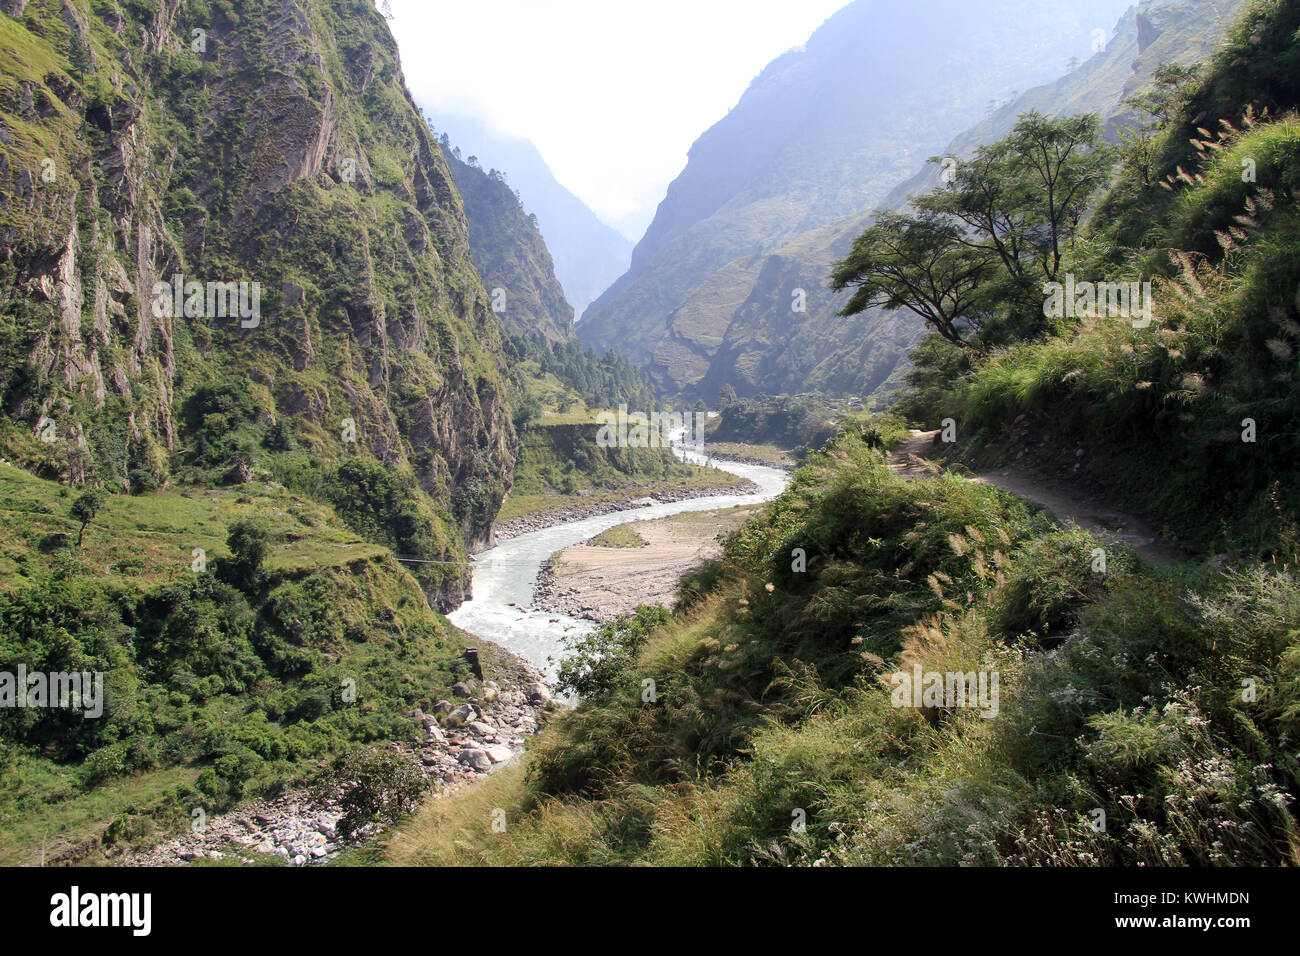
x,y
280,147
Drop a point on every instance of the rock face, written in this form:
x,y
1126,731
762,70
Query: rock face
x,y
826,131
588,254
277,147
510,253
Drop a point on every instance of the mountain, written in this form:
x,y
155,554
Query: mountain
x,y
588,254
1098,711
270,143
766,348
511,256
826,130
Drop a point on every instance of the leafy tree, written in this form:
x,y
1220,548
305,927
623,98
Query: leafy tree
x,y
84,510
79,54
982,246
920,263
603,660
378,786
1141,143
248,546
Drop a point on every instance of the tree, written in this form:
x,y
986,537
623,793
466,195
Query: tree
x,y
973,258
79,55
1141,142
248,546
919,263
604,660
373,785
84,510
1025,196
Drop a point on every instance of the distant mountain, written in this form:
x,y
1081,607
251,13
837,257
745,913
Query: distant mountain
x,y
509,252
767,348
588,254
826,130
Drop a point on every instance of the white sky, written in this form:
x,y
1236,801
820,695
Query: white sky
x,y
612,92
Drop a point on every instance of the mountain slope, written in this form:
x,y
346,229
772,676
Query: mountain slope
x,y
277,145
825,130
510,253
767,348
588,254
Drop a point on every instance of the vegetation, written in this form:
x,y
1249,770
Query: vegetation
x,y
1203,208
223,678
622,536
1127,691
1143,716
794,423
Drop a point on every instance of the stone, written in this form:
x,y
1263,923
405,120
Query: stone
x,y
498,753
538,693
461,690
480,729
461,716
443,707
476,760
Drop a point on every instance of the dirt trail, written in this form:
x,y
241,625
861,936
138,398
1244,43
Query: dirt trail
x,y
916,457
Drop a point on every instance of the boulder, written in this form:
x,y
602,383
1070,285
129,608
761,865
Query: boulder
x,y
477,760
461,716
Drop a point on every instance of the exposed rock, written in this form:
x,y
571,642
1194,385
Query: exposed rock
x,y
476,760
300,833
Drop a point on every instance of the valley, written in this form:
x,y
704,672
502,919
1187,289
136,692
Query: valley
x,y
954,522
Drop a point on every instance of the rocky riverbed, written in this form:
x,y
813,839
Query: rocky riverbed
x,y
550,519
484,728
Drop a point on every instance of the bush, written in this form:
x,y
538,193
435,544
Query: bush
x,y
603,662
378,786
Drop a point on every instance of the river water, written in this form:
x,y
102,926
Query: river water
x,y
507,574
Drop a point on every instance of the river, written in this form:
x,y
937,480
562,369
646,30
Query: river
x,y
506,575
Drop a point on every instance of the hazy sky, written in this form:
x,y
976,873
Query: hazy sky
x,y
612,92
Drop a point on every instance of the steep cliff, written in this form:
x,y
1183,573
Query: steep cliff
x,y
510,253
588,254
271,143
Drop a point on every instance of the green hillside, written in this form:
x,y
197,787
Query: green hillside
x,y
1089,709
136,150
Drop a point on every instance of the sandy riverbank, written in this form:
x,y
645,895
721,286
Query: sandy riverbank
x,y
599,583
